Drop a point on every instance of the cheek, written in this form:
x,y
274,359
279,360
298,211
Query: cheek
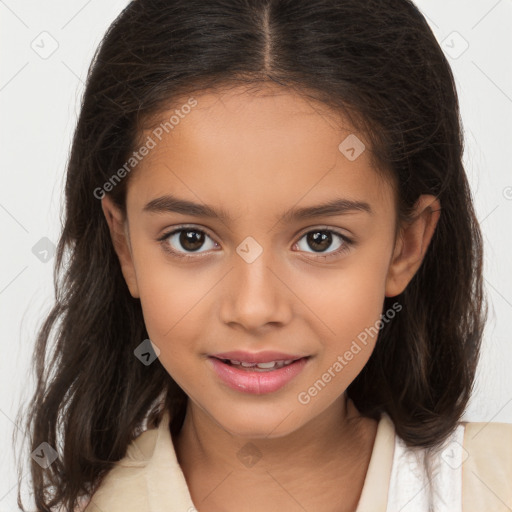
x,y
347,299
170,304
170,296
349,306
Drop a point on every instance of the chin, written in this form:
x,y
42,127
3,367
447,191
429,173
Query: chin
x,y
257,425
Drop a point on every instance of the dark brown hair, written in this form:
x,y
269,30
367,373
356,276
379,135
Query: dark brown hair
x,y
378,62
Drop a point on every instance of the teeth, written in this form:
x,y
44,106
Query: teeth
x,y
270,364
263,366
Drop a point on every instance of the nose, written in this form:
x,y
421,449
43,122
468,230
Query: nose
x,y
255,295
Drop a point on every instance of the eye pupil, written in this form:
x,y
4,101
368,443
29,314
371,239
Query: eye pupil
x,y
318,238
191,240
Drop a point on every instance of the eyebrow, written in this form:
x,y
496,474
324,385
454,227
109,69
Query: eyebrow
x,y
338,206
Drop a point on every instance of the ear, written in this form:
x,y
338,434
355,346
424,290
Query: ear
x,y
118,227
412,243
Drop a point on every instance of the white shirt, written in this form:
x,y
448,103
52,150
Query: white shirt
x,y
408,488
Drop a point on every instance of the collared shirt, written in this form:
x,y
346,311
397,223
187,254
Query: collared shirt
x,y
472,473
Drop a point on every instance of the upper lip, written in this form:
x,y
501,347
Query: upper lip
x,y
257,357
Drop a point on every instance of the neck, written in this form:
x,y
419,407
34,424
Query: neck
x,y
334,435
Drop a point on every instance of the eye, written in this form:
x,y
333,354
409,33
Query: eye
x,y
185,239
185,242
321,239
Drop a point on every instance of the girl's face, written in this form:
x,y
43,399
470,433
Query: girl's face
x,y
256,268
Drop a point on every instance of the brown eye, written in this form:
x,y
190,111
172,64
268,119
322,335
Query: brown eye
x,y
185,240
191,239
321,240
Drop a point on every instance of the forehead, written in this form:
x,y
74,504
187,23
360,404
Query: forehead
x,y
253,149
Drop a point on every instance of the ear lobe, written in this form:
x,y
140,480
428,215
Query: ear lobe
x,y
119,234
412,244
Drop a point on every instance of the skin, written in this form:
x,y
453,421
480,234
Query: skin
x,y
257,155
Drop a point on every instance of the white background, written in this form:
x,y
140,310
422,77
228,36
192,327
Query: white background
x,y
39,100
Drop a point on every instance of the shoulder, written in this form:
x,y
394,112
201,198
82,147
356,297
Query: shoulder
x,y
487,466
124,486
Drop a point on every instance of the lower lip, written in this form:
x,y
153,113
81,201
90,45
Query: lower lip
x,y
257,382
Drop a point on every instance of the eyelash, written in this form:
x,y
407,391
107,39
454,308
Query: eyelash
x,y
347,242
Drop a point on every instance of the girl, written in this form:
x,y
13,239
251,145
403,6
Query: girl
x,y
271,295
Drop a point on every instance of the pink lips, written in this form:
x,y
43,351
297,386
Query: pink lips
x,y
256,382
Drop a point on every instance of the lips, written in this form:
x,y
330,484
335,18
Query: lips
x,y
254,380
